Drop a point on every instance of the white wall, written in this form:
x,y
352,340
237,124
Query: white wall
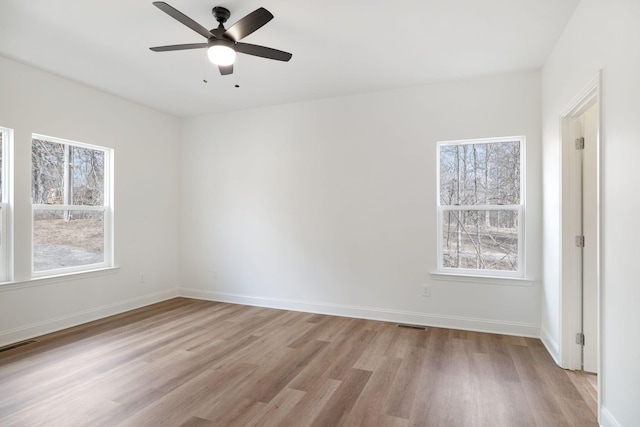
x,y
146,191
329,205
603,34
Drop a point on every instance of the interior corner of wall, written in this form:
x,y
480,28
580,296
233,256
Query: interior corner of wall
x,y
551,345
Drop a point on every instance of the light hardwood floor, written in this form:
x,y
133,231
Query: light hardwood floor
x,y
186,362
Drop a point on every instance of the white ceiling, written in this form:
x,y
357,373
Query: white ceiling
x,y
339,47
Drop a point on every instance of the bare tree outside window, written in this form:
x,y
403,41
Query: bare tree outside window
x,y
480,205
60,169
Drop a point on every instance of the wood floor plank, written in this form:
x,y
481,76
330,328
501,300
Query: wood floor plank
x,y
274,412
196,422
337,408
178,405
371,407
319,329
310,376
345,362
195,363
285,370
586,384
375,352
403,389
311,404
238,413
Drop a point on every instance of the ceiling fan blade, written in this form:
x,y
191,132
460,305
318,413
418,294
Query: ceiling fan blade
x,y
249,24
225,69
184,19
178,47
262,51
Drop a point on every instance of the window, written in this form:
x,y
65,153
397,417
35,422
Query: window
x,y
481,207
71,196
5,211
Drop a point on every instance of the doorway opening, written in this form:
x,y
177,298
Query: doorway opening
x,y
581,327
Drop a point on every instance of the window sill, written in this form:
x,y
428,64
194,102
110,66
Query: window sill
x,y
66,277
488,280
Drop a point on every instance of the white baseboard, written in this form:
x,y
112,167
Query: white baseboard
x,y
607,420
74,319
551,344
397,316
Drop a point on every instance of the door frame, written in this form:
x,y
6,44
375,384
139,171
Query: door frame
x,y
571,260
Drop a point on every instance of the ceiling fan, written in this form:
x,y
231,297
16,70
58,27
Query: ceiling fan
x,y
222,44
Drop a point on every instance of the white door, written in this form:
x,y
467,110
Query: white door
x,y
589,231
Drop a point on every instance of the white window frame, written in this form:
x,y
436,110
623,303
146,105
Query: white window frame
x,y
6,206
520,209
106,208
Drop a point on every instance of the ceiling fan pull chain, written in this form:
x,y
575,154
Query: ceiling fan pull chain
x,y
205,68
237,85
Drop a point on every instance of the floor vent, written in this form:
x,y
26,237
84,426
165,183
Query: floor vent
x,y
420,328
16,345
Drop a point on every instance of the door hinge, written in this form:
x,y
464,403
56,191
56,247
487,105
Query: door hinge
x,y
580,241
580,143
580,338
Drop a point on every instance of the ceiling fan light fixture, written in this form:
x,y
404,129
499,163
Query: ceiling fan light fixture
x,y
221,52
222,44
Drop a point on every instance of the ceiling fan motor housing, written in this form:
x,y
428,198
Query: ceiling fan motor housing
x,y
221,14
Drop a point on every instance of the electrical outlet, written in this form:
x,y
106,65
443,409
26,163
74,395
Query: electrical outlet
x,y
141,280
426,290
